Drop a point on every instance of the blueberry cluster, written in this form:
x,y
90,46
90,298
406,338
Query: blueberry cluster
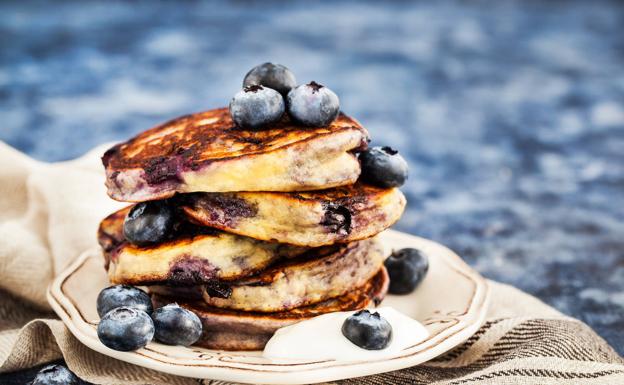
x,y
128,321
270,89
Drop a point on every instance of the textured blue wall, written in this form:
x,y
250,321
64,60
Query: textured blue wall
x,y
511,113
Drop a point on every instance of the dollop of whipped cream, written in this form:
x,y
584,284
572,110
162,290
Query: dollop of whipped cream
x,y
321,338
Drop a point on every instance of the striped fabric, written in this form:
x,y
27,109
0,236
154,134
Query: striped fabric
x,y
522,342
518,351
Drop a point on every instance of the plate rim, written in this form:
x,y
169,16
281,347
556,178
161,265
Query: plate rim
x,y
302,373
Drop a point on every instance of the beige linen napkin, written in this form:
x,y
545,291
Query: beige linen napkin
x,y
49,214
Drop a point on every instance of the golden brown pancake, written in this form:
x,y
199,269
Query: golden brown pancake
x,y
313,277
238,330
207,152
315,218
203,256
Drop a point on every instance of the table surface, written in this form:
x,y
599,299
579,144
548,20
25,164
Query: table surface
x,y
510,113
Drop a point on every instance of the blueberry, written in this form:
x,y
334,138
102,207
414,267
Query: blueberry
x,y
55,375
313,105
270,75
256,106
383,167
125,329
176,325
123,295
149,222
407,268
368,331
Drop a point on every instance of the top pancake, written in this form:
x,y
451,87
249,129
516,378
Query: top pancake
x,y
207,152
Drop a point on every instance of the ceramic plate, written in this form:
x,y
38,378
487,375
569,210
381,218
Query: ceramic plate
x,y
451,302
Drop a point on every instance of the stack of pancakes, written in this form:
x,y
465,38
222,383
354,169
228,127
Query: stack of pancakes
x,y
275,226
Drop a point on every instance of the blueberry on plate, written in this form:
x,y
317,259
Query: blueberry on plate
x,y
123,295
55,375
176,325
406,268
383,167
125,329
270,75
149,223
313,105
368,331
256,106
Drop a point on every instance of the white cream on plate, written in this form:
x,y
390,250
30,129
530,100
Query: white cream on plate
x,y
321,338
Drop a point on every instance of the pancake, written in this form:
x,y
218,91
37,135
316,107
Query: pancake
x,y
296,283
316,218
237,330
318,275
201,256
207,152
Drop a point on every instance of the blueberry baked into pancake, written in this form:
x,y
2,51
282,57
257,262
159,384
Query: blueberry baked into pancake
x,y
312,218
194,255
249,330
316,276
246,219
208,152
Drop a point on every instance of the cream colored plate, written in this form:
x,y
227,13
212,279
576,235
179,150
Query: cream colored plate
x,y
451,302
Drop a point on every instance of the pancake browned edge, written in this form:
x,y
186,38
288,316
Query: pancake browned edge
x,y
207,152
238,330
316,276
198,255
315,218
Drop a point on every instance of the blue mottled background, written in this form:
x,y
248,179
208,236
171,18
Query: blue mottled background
x,y
511,113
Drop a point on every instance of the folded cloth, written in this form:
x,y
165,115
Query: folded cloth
x,y
49,214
